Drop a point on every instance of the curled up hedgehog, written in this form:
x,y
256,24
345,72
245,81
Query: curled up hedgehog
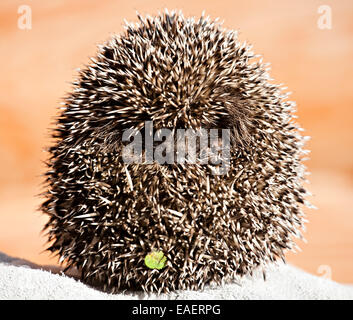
x,y
146,225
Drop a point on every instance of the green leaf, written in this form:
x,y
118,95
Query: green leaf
x,y
156,260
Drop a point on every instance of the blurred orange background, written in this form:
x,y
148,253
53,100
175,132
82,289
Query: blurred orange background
x,y
37,66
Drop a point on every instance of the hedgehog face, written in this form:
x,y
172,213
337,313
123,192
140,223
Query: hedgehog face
x,y
108,215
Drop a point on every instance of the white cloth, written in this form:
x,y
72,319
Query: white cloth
x,y
20,279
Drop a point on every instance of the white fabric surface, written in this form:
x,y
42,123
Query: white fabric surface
x,y
20,279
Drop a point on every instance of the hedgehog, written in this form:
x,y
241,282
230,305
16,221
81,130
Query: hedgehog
x,y
160,227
